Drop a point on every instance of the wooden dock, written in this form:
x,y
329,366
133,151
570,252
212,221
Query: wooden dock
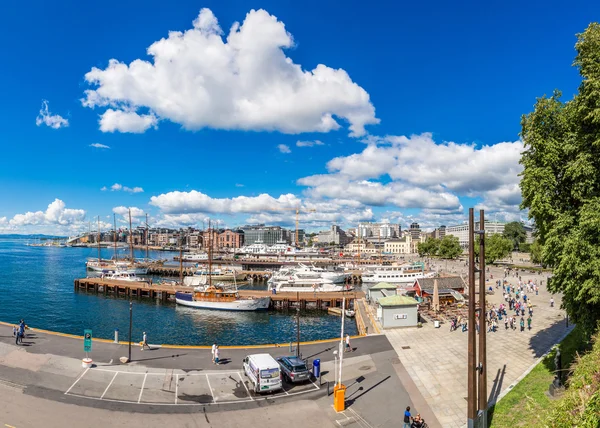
x,y
166,293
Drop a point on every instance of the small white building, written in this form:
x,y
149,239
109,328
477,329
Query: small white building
x,y
398,245
397,311
383,289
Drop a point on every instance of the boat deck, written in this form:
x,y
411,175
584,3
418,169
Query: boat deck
x,y
165,293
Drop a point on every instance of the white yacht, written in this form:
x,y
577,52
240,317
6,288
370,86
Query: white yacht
x,y
124,276
256,248
307,279
195,257
224,275
110,266
281,248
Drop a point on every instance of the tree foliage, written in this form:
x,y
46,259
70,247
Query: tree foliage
x,y
428,248
497,247
536,252
561,184
515,231
449,247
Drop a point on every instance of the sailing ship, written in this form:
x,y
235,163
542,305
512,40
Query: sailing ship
x,y
219,296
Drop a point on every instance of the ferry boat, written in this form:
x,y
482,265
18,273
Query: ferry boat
x,y
310,273
219,297
394,274
195,257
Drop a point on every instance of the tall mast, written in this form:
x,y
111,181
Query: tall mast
x,y
209,255
379,245
115,236
146,236
130,237
180,257
358,236
98,239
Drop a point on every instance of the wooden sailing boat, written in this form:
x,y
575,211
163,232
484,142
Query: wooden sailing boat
x,y
219,296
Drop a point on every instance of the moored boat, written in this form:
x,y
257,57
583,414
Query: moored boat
x,y
218,297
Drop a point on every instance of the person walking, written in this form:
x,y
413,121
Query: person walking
x,y
15,331
407,418
212,352
522,323
551,302
217,354
348,348
505,323
145,342
529,323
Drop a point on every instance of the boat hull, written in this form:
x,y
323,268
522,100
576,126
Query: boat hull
x,y
237,305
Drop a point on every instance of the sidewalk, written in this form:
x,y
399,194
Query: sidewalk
x,y
436,359
179,381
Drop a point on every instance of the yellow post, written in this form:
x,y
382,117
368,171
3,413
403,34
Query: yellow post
x,y
339,397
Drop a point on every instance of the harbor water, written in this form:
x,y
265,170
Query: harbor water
x,y
36,284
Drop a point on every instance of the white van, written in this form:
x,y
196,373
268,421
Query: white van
x,y
263,371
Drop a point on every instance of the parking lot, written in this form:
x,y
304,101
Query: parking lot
x,y
174,387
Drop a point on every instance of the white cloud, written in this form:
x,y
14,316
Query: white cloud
x,y
197,202
119,187
239,185
127,121
103,188
56,214
99,146
375,193
284,148
54,121
124,211
309,143
246,82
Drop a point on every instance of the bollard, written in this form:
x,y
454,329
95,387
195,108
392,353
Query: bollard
x,y
116,335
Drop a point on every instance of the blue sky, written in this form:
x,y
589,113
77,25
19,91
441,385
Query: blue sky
x,y
403,119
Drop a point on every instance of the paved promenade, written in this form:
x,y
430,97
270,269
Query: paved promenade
x,y
46,374
436,359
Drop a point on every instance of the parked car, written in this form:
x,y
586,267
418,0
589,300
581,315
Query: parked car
x,y
263,372
293,369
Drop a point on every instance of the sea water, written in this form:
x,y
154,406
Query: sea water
x,y
36,284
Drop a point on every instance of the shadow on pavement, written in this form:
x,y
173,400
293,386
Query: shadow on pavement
x,y
541,342
158,358
497,386
350,401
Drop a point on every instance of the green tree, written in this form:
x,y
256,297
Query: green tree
x,y
536,252
430,247
497,247
450,247
561,184
515,231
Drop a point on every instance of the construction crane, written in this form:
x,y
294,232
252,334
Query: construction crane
x,y
298,210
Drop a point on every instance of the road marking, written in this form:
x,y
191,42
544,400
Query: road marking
x,y
142,390
211,391
176,388
360,418
9,426
111,381
316,386
110,362
244,383
78,379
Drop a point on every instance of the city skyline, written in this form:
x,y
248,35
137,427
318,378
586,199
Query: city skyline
x,y
205,111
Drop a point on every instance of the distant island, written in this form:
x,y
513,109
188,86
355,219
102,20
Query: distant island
x,y
34,236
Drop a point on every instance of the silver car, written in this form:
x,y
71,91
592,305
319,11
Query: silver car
x,y
293,369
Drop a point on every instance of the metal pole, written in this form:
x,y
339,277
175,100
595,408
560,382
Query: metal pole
x,y
482,330
298,332
471,357
341,351
130,324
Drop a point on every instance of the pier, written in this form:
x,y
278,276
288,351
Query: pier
x,y
165,293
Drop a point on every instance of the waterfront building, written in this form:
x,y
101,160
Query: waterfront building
x,y
269,235
231,239
439,232
491,228
335,236
382,230
397,311
398,245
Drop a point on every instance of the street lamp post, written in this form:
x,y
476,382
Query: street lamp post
x,y
298,332
130,325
